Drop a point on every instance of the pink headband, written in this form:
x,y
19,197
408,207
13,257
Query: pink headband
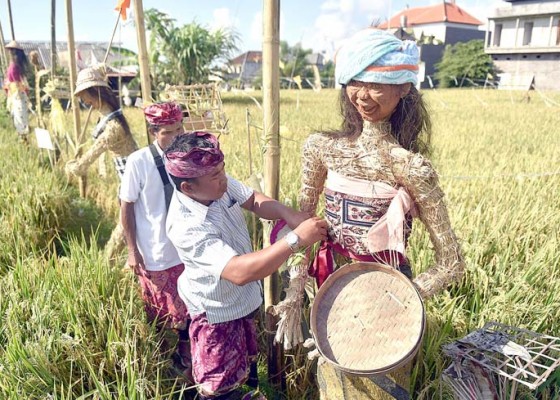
x,y
198,161
163,114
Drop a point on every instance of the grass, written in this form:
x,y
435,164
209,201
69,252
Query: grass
x,y
72,326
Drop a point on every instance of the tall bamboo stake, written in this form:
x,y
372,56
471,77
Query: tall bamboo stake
x,y
271,122
11,19
53,39
3,56
142,52
73,73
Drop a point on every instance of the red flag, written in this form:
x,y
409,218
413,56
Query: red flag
x,y
121,7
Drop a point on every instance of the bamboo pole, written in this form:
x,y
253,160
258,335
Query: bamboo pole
x,y
73,73
11,19
4,57
271,122
142,52
53,39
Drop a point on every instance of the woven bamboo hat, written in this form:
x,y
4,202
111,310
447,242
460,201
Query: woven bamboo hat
x,y
367,319
13,45
90,77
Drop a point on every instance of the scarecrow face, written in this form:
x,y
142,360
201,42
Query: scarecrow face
x,y
375,101
90,99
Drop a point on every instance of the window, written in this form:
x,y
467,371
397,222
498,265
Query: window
x,y
497,34
558,32
527,33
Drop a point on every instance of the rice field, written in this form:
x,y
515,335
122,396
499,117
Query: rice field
x,y
72,325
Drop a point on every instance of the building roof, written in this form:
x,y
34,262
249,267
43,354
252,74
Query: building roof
x,y
249,56
442,12
87,53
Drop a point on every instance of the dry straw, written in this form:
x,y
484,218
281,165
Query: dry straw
x,y
367,319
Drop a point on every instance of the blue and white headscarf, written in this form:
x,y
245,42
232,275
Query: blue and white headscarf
x,y
373,55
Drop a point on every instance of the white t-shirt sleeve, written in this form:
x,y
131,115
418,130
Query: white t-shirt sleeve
x,y
131,184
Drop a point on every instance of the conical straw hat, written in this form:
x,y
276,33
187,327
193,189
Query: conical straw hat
x,y
90,77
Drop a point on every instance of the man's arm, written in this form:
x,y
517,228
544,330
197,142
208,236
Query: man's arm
x,y
271,209
250,267
128,221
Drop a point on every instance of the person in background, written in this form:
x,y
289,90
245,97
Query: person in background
x,y
151,255
17,89
221,283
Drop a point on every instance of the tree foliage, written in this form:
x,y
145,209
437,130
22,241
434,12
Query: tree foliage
x,y
185,54
463,64
294,60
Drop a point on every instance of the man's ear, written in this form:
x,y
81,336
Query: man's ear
x,y
186,187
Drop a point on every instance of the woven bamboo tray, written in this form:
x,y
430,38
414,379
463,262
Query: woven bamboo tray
x,y
367,319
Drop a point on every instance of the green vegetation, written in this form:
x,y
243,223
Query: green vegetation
x,y
463,64
72,326
185,54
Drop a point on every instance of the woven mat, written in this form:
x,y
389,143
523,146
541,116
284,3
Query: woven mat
x,y
367,318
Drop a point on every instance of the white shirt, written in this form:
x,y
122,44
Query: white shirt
x,y
207,238
141,184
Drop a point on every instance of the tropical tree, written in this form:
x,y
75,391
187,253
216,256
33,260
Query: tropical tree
x,y
185,54
294,61
463,64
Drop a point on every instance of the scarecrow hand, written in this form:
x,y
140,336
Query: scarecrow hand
x,y
424,286
73,168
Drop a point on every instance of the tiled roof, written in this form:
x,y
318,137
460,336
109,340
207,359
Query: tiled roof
x,y
252,56
442,12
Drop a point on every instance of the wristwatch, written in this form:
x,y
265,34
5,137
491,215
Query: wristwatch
x,y
293,241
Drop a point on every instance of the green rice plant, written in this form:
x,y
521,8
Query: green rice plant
x,y
73,327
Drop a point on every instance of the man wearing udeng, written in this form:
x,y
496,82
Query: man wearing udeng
x,y
221,283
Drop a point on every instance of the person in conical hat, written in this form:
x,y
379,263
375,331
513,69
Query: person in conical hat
x,y
16,88
376,179
112,132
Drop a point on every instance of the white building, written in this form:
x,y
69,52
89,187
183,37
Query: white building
x,y
523,39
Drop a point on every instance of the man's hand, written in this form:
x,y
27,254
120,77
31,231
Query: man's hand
x,y
296,217
311,230
136,263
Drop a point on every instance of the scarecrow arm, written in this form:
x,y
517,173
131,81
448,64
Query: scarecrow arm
x,y
421,180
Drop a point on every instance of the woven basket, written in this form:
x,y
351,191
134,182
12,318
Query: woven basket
x,y
367,319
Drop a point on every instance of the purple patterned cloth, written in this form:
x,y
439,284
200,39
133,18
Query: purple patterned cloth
x,y
222,353
161,299
198,161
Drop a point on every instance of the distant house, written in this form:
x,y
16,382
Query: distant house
x,y
433,27
246,67
87,54
523,39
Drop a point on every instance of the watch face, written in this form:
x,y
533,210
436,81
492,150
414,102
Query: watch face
x,y
292,239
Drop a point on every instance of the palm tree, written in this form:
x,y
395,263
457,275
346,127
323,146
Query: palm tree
x,y
185,54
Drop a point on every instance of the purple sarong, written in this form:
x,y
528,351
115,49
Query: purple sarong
x,y
161,299
222,353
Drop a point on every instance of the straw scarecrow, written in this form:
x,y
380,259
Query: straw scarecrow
x,y
16,88
111,133
375,180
